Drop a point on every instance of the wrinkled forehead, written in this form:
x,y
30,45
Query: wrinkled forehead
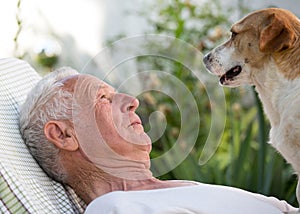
x,y
84,88
82,82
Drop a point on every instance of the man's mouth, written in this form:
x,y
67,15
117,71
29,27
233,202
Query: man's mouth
x,y
230,74
135,122
137,126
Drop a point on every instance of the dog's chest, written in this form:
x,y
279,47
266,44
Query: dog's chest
x,y
285,132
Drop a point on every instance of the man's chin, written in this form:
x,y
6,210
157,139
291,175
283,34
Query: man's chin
x,y
143,139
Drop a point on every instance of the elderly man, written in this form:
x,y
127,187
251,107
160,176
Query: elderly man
x,y
85,134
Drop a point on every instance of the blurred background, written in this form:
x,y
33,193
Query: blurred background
x,y
49,34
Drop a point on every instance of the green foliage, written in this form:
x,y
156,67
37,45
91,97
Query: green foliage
x,y
19,21
244,158
200,25
46,60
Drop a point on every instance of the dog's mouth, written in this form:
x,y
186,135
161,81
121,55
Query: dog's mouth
x,y
230,74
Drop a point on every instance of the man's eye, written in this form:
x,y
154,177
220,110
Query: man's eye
x,y
103,96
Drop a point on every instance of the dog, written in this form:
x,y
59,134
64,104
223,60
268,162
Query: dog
x,y
264,51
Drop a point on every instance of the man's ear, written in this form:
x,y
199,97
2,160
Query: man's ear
x,y
61,135
277,35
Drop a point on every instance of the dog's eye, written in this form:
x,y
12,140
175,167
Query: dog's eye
x,y
233,35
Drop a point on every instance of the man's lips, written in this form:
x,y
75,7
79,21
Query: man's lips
x,y
135,122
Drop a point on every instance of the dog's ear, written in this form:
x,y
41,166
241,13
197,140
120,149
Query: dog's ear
x,y
277,35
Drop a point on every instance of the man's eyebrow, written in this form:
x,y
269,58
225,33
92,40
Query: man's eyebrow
x,y
104,86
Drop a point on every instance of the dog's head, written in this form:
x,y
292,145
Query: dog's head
x,y
254,41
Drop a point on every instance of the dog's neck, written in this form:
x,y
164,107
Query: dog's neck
x,y
271,87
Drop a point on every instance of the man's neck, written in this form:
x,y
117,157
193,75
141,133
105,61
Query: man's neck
x,y
90,184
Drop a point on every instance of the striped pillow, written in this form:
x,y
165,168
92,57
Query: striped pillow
x,y
24,187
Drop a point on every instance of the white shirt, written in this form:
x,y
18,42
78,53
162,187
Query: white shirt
x,y
199,199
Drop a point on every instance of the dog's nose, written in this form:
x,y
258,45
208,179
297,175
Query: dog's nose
x,y
207,58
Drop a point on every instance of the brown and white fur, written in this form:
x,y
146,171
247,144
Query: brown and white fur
x,y
264,51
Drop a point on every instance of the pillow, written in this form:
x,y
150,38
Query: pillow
x,y
24,186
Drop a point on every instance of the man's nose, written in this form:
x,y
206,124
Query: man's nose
x,y
133,105
129,103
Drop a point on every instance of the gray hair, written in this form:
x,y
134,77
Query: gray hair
x,y
46,101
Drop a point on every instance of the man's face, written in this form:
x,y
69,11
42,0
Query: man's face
x,y
117,124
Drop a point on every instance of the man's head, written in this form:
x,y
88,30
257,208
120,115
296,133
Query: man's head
x,y
68,115
38,110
